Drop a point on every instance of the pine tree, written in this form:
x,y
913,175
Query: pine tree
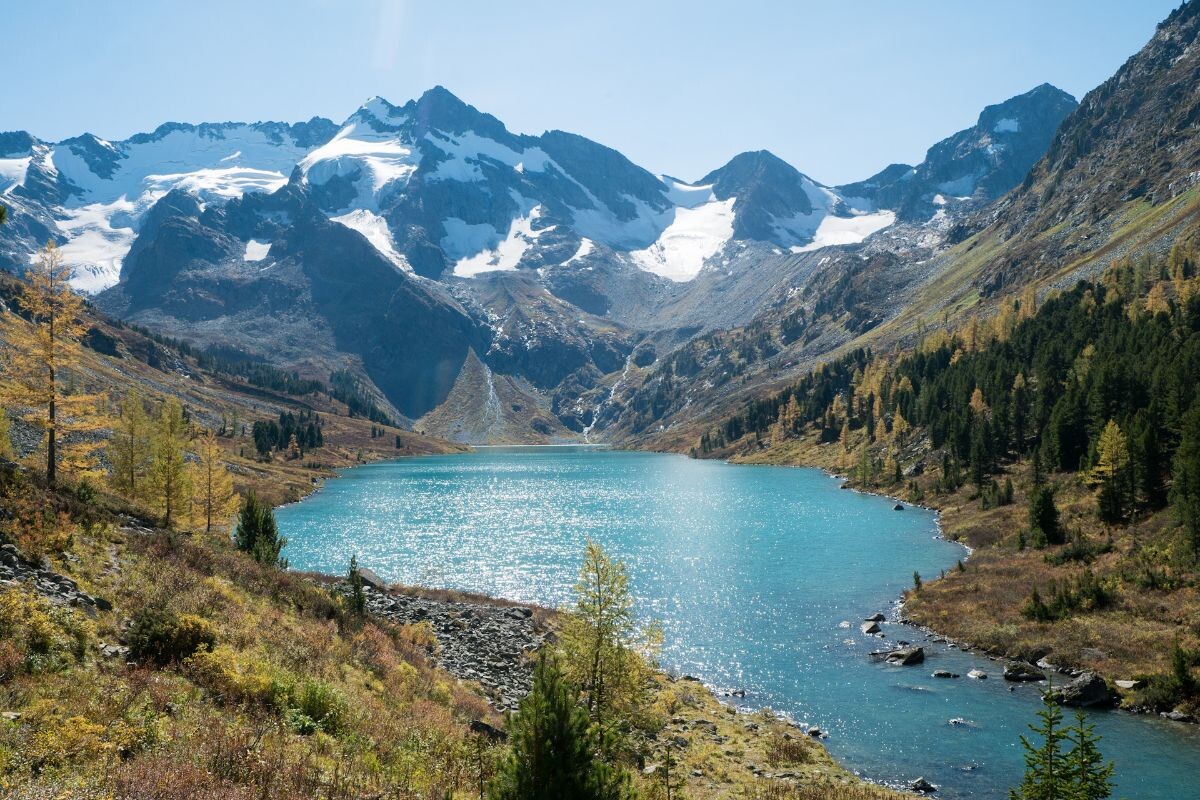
x,y
129,448
37,361
1045,771
1088,774
554,748
215,498
257,532
1185,486
358,597
1043,517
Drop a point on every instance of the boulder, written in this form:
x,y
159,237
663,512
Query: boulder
x,y
922,786
944,673
372,580
898,507
977,674
488,731
1130,685
869,627
906,656
876,617
1086,691
1020,672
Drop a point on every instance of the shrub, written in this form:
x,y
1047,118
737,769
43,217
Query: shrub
x,y
36,637
235,679
319,704
163,637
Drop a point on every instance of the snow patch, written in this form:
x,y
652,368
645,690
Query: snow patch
x,y
95,249
586,246
491,255
385,157
959,187
695,235
467,149
375,229
847,230
1007,125
256,251
224,183
12,172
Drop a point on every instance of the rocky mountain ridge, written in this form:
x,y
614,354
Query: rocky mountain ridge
x,y
492,286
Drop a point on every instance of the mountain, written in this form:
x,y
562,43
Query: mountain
x,y
1118,182
490,285
91,193
978,164
1121,173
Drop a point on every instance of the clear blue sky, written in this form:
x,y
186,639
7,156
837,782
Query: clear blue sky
x,y
839,88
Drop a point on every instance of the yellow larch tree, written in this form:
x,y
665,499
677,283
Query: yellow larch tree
x,y
38,357
129,448
214,497
170,481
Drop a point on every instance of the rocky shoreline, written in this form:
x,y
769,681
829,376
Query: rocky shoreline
x,y
493,644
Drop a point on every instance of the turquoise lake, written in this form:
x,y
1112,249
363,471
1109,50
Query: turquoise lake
x,y
754,573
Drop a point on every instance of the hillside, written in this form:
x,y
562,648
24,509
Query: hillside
x,y
1060,443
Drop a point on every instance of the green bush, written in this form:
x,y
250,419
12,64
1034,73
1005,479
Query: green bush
x,y
317,706
163,637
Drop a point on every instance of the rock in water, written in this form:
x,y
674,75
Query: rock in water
x,y
922,786
906,656
876,617
1086,691
869,627
944,673
1020,672
977,674
898,507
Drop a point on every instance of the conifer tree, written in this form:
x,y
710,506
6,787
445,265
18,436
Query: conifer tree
x,y
358,597
1043,517
257,533
554,748
129,448
1045,770
1185,487
215,498
1088,774
600,641
170,483
37,361
1111,471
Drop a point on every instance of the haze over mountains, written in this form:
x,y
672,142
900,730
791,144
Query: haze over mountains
x,y
495,286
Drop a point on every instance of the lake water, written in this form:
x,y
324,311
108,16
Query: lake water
x,y
754,573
